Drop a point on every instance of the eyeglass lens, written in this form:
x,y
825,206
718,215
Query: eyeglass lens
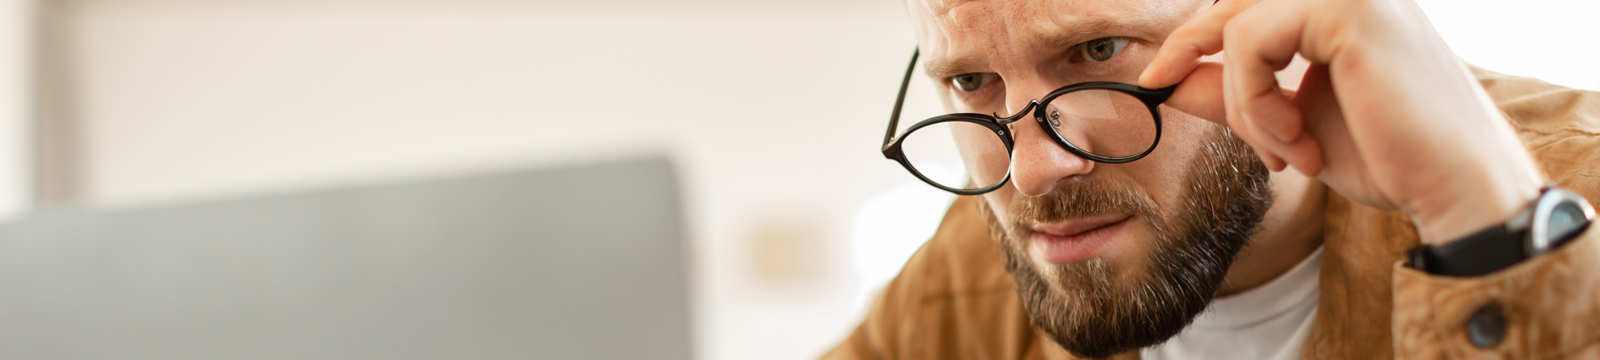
x,y
935,152
1101,122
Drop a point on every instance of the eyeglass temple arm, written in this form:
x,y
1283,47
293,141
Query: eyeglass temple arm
x,y
894,118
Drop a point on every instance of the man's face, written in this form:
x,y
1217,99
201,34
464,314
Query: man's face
x,y
1107,257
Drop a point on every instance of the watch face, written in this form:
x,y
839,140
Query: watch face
x,y
1566,219
1558,216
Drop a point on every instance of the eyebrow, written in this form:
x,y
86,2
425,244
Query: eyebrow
x,y
942,67
1084,30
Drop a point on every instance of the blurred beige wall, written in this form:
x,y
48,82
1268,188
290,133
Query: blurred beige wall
x,y
16,106
772,108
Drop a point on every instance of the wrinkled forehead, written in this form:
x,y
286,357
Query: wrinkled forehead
x,y
974,30
952,19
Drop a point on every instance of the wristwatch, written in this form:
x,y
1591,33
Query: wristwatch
x,y
1553,219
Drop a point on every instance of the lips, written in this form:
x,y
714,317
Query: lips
x,y
1077,239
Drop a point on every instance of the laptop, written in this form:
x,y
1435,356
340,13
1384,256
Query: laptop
x,y
584,262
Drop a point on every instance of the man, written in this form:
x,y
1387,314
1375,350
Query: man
x,y
1423,218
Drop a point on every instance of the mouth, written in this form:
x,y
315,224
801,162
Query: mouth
x,y
1077,239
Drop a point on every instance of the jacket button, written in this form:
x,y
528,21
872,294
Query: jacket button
x,y
1486,327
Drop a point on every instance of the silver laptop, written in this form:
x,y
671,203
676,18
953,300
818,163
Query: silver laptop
x,y
574,263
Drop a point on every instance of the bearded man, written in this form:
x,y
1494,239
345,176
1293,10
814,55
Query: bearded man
x,y
1433,210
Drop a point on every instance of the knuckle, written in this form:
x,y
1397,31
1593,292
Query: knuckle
x,y
1183,34
1235,30
1231,27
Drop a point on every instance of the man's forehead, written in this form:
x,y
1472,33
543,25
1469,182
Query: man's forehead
x,y
981,15
945,8
956,34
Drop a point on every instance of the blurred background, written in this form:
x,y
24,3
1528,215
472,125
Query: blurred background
x,y
772,110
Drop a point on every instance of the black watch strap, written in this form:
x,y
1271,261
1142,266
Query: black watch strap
x,y
1556,217
1482,253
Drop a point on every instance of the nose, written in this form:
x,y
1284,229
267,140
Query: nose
x,y
1038,163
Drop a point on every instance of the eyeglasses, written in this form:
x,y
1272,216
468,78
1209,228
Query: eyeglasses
x,y
1101,121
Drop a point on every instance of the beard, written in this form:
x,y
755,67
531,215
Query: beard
x,y
1097,308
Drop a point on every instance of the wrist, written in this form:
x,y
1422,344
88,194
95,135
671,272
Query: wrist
x,y
1469,209
1554,218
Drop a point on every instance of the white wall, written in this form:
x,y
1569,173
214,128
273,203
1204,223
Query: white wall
x,y
773,108
1557,41
16,106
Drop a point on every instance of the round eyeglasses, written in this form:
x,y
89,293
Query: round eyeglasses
x,y
970,154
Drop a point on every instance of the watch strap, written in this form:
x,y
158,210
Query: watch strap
x,y
1481,253
1557,216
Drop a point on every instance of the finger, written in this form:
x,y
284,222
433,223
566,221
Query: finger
x,y
1305,154
1200,94
1181,51
1261,41
1325,120
1243,131
1257,47
1305,151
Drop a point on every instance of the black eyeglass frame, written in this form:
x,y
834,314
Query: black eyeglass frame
x,y
1152,99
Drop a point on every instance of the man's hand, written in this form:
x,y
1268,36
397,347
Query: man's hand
x,y
1386,115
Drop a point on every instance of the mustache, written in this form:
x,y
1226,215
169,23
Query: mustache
x,y
1079,198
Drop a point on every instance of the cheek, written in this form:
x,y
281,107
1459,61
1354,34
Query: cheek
x,y
999,202
983,153
1163,175
1130,258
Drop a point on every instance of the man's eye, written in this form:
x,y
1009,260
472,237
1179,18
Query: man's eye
x,y
971,82
1102,49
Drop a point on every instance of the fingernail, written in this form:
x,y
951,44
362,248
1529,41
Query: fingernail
x,y
1272,162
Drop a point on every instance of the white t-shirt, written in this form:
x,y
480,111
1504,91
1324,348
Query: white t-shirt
x,y
1270,322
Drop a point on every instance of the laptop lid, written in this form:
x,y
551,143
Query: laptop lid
x,y
582,262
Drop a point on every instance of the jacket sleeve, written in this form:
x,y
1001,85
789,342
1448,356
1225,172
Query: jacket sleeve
x,y
1547,307
884,333
871,339
952,300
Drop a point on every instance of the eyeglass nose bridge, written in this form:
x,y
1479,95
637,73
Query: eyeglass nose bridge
x,y
1007,120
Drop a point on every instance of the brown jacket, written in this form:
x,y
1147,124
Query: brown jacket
x,y
954,299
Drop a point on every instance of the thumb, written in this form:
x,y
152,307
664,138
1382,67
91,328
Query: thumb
x,y
1200,94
